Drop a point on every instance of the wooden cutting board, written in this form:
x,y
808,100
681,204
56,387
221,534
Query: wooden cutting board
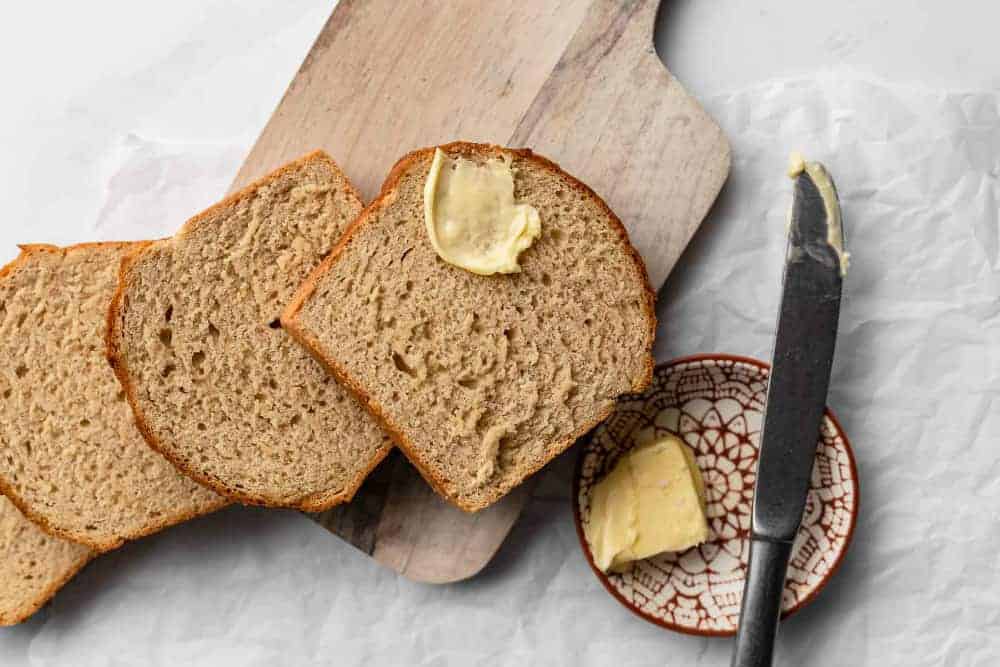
x,y
578,81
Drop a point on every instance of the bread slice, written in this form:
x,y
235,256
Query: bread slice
x,y
216,385
482,379
33,564
71,457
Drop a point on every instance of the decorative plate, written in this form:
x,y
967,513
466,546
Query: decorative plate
x,y
715,404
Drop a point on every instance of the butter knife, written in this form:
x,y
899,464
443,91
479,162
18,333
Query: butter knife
x,y
815,265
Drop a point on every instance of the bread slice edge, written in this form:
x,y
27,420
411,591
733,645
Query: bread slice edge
x,y
32,607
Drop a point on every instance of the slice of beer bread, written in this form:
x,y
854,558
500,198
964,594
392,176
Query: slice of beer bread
x,y
71,457
33,564
482,379
217,386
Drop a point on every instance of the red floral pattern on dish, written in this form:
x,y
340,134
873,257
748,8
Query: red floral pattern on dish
x,y
715,405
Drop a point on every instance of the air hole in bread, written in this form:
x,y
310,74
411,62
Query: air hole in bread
x,y
198,359
296,420
212,330
21,370
275,323
6,394
20,320
401,365
546,279
169,315
167,370
84,423
202,427
166,337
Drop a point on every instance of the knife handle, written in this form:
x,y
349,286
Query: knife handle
x,y
761,603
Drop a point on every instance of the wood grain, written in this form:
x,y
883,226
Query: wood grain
x,y
386,77
576,80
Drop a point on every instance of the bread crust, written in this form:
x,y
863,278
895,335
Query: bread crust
x,y
100,546
290,322
315,502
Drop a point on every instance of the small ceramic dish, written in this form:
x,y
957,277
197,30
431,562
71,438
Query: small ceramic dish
x,y
715,404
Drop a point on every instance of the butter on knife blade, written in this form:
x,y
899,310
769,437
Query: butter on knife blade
x,y
824,184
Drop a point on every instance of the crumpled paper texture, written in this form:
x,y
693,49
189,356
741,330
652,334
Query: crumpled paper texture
x,y
916,385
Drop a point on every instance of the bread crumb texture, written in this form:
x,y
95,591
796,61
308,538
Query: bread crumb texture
x,y
33,564
71,456
222,390
484,379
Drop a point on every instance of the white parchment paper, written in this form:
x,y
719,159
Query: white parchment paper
x,y
916,385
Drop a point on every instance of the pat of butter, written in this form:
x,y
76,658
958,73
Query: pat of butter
x,y
651,502
472,218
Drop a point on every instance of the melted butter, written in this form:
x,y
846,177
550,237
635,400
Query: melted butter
x,y
835,233
472,218
651,502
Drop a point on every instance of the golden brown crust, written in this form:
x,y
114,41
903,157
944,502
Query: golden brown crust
x,y
98,545
315,502
289,318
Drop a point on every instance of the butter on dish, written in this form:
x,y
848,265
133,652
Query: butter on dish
x,y
472,218
652,501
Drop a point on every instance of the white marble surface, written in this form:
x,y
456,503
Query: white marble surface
x,y
121,118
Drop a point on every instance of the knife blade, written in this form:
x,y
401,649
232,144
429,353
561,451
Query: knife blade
x,y
805,338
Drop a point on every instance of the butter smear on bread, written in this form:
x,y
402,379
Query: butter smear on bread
x,y
652,501
472,218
